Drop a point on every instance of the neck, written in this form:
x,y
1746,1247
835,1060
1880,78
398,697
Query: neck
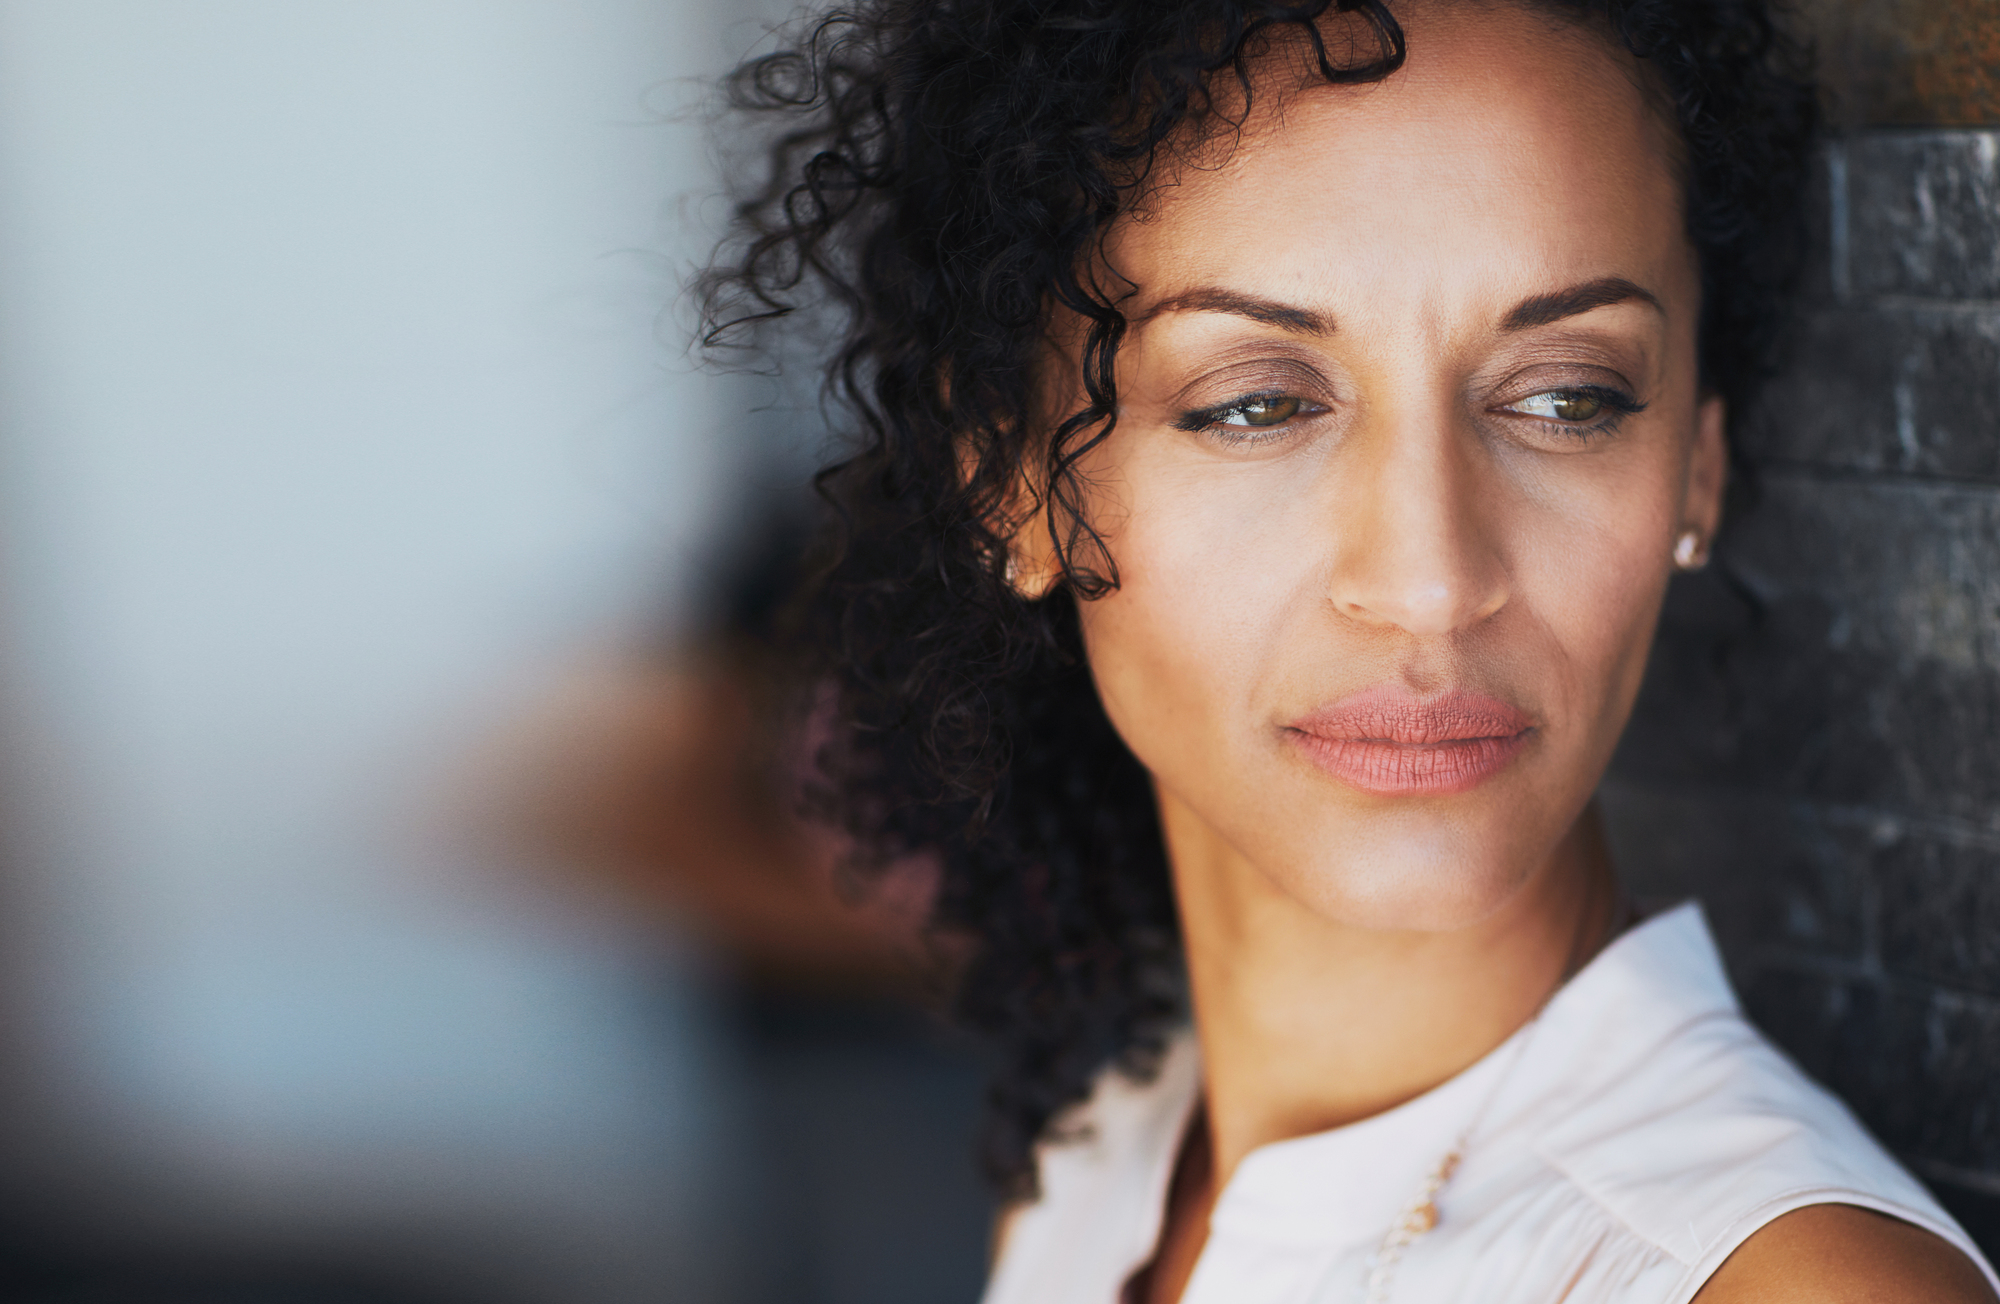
x,y
1307,1024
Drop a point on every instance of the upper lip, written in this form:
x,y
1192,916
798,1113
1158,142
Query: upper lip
x,y
1392,714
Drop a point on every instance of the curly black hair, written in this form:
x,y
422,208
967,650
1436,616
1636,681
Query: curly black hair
x,y
939,180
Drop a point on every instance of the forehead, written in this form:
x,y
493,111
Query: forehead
x,y
1509,154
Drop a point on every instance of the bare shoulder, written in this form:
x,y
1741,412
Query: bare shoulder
x,y
1841,1254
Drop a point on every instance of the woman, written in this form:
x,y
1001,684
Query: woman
x,y
1277,426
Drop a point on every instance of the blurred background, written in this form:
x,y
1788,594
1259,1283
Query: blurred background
x,y
371,556
398,895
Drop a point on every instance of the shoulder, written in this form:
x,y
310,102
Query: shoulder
x,y
1761,1184
1837,1254
1690,1131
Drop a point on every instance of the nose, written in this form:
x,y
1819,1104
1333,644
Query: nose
x,y
1418,547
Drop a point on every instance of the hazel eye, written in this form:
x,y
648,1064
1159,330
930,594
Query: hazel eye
x,y
1267,410
1253,418
1573,406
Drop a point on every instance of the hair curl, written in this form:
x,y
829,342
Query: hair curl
x,y
941,176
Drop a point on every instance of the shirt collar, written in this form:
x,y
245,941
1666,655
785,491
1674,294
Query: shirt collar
x,y
1352,1182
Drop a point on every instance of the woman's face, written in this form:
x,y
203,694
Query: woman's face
x,y
1409,424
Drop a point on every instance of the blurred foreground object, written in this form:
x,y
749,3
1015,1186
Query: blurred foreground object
x,y
336,422
682,781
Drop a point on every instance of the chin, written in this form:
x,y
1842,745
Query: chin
x,y
1431,875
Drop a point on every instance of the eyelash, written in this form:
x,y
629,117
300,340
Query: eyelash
x,y
1210,420
1618,406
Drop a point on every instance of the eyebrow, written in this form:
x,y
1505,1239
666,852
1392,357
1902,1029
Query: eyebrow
x,y
1285,316
1602,292
1541,310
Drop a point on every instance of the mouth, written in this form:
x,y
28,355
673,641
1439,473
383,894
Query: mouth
x,y
1390,742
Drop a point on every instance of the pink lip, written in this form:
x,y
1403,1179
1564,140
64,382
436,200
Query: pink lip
x,y
1388,741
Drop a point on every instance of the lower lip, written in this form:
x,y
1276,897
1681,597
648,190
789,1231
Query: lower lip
x,y
1412,769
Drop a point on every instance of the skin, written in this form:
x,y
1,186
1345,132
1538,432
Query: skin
x,y
1435,513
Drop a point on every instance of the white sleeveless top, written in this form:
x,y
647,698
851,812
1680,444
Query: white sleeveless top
x,y
1645,1132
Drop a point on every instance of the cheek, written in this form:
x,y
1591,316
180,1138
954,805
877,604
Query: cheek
x,y
1593,573
1207,584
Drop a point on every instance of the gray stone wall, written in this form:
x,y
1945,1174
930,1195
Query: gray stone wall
x,y
1817,751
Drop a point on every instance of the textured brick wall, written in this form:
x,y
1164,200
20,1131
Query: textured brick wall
x,y
1817,753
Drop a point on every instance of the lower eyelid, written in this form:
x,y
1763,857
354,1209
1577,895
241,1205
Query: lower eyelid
x,y
1582,430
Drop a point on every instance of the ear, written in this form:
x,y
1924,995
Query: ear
x,y
1033,567
1708,471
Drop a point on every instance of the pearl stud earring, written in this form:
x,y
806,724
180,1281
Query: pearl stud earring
x,y
1689,555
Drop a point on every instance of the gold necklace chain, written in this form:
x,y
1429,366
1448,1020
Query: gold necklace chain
x,y
1421,1214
